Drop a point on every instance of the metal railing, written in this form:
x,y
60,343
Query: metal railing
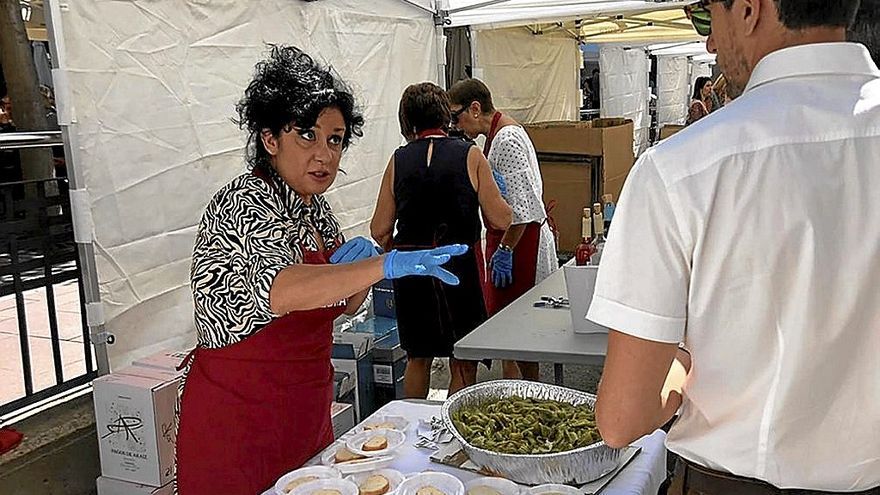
x,y
38,252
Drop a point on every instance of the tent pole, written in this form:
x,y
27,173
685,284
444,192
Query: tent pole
x,y
477,6
84,240
441,55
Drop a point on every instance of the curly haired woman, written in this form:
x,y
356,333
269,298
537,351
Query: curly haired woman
x,y
270,273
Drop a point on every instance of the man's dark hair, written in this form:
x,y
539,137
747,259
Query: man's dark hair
x,y
470,90
866,29
802,14
290,88
423,106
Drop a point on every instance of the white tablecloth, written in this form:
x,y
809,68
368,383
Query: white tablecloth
x,y
642,476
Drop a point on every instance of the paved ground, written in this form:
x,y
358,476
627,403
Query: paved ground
x,y
70,330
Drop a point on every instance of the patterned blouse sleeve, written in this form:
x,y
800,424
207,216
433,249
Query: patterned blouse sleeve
x,y
243,241
511,160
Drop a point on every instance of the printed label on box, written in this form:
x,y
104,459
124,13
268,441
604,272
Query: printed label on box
x,y
136,425
382,374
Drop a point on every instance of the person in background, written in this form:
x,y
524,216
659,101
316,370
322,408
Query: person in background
x,y
588,93
433,191
270,272
701,102
525,253
10,160
866,29
6,111
594,89
741,276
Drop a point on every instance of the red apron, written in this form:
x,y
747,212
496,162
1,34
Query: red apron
x,y
525,254
256,409
525,266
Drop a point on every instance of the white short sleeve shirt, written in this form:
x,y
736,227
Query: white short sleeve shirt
x,y
754,237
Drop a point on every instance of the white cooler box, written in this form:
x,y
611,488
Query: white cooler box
x,y
580,282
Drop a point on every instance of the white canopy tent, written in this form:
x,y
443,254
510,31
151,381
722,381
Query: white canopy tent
x,y
527,52
678,65
147,90
494,14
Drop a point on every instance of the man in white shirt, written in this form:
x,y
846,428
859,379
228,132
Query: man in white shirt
x,y
753,238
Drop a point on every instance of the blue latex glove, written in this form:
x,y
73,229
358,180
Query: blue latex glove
x,y
502,268
359,248
426,263
502,184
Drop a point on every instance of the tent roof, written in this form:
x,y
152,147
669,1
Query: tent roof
x,y
490,14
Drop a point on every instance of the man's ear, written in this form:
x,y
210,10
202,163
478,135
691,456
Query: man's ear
x,y
270,142
476,108
749,12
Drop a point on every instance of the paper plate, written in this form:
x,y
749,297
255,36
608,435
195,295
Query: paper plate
x,y
394,477
446,483
319,472
395,439
328,458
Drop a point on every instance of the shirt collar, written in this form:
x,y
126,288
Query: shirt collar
x,y
814,59
293,202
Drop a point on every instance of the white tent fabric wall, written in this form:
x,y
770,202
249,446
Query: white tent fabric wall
x,y
624,89
532,77
673,87
154,83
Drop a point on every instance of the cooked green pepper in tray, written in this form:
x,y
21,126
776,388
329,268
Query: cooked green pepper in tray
x,y
514,425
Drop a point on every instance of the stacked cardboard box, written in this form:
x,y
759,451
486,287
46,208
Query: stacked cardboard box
x,y
136,420
571,153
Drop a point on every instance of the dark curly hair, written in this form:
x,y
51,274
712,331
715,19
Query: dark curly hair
x,y
289,88
423,106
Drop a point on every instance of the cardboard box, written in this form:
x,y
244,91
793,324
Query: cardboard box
x,y
136,423
343,418
110,486
383,299
147,372
164,360
569,182
568,185
669,129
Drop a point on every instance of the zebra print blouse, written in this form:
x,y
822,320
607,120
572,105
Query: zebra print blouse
x,y
250,231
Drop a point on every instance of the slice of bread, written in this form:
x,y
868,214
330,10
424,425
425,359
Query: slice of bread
x,y
483,490
326,491
375,485
299,481
375,443
345,455
429,490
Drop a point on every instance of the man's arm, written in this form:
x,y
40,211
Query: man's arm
x,y
640,389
